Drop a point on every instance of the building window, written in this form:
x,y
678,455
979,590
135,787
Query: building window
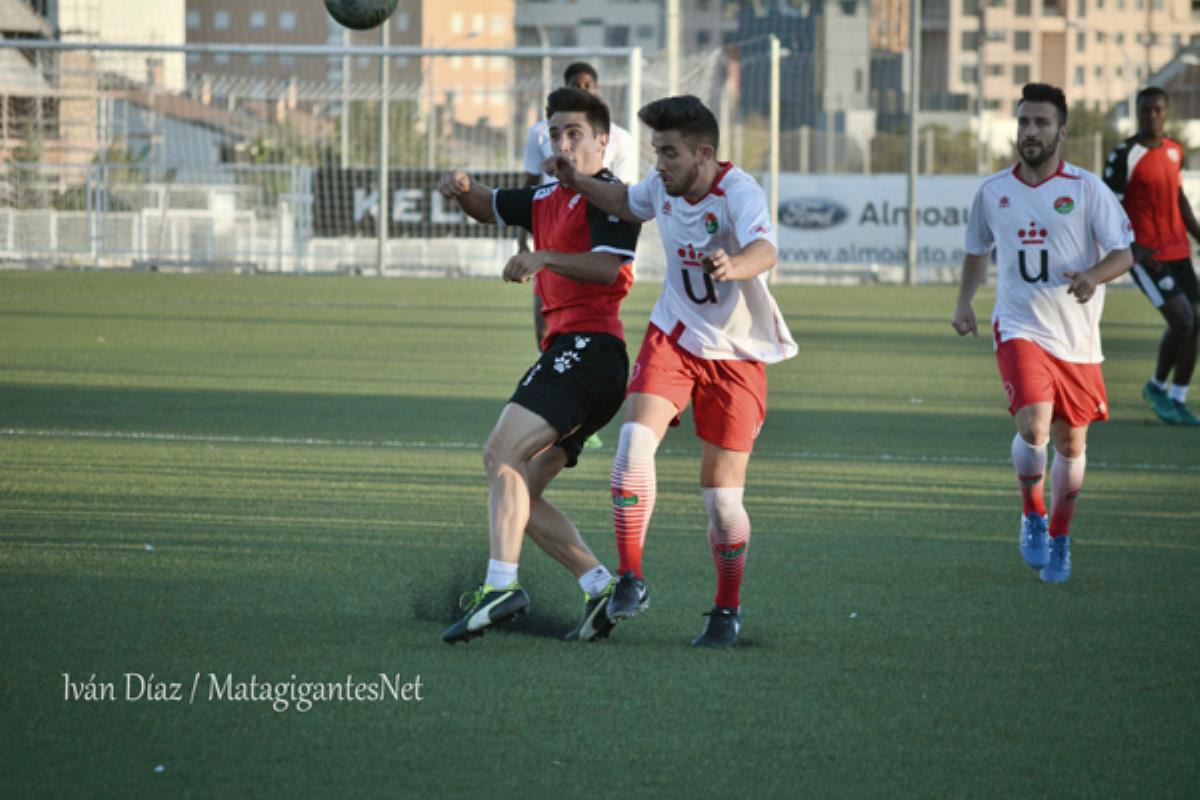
x,y
499,24
193,59
401,18
995,70
1118,38
287,20
969,75
193,20
1052,8
970,40
258,20
1020,74
1022,8
1080,76
221,58
1021,41
257,59
455,62
1081,8
287,61
477,62
1080,41
221,20
456,23
703,39
970,7
616,36
1099,73
645,31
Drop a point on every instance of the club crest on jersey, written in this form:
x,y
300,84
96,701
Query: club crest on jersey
x,y
666,208
1032,235
574,201
690,256
1064,205
1173,154
710,223
1005,202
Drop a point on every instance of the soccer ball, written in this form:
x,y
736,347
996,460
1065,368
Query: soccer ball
x,y
360,15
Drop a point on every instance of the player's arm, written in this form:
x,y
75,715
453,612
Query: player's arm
x,y
1114,265
974,273
756,259
611,198
472,196
1189,218
522,234
593,267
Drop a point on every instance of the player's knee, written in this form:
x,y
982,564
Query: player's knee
x,y
636,442
724,506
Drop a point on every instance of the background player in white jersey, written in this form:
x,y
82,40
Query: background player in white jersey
x,y
711,333
1059,234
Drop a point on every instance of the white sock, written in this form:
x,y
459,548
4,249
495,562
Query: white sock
x,y
1177,393
1028,459
1160,385
501,574
595,580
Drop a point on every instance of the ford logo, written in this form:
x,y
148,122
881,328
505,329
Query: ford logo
x,y
811,213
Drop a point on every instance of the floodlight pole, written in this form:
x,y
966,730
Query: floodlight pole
x,y
633,124
672,37
345,87
773,163
381,220
914,106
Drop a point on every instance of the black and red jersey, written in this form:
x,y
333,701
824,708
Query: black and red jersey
x,y
1148,182
562,221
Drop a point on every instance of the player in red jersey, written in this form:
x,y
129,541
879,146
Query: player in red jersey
x,y
582,260
1058,235
1145,172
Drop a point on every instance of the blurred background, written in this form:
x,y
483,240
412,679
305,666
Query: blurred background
x,y
248,136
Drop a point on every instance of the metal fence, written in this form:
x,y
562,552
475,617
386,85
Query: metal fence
x,y
271,158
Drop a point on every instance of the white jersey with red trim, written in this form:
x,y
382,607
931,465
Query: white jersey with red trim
x,y
1066,223
727,320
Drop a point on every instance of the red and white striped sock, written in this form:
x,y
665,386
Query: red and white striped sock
x,y
729,540
633,490
1030,463
1066,479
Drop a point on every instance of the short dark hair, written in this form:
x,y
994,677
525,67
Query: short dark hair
x,y
1045,93
686,114
568,98
1151,92
579,67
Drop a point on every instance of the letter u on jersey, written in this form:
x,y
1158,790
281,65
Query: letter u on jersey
x,y
710,290
1043,273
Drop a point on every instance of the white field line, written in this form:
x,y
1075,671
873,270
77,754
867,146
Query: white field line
x,y
396,444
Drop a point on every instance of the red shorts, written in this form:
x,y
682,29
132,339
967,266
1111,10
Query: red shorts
x,y
1031,375
729,397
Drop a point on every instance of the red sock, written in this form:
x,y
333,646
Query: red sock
x,y
633,490
1066,479
1030,463
729,541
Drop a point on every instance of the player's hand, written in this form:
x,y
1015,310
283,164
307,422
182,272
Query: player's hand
x,y
963,321
719,265
521,267
1083,284
560,167
454,184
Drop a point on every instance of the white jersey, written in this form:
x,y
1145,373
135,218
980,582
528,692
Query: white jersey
x,y
619,157
727,320
1066,223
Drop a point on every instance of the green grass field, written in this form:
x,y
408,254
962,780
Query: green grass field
x,y
277,477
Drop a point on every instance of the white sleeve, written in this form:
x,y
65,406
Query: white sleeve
x,y
643,200
622,161
532,163
1110,225
751,216
979,239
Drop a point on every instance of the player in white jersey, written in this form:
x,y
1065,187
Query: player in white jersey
x,y
711,333
1058,234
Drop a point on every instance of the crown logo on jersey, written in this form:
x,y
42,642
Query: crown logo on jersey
x,y
666,207
690,256
1005,202
1032,235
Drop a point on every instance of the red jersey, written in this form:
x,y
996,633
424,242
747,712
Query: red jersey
x,y
562,221
1148,182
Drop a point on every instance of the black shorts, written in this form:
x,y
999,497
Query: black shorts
x,y
1177,278
577,386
